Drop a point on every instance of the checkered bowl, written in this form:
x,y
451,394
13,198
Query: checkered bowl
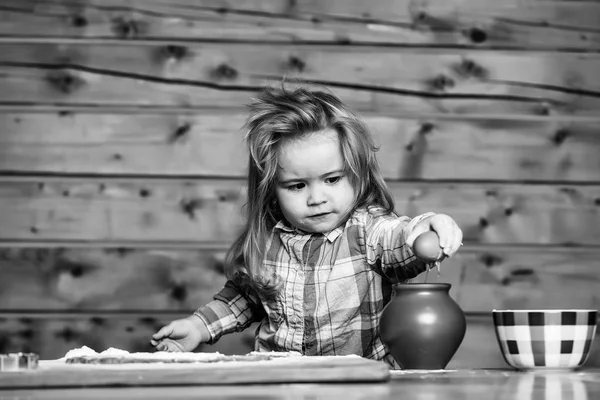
x,y
545,339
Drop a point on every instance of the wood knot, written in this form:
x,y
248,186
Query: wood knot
x,y
75,270
441,82
66,334
189,207
543,109
522,272
144,192
569,191
27,333
560,136
151,321
79,21
421,19
483,222
469,68
477,35
125,28
227,196
225,71
64,81
343,40
489,260
179,293
426,128
180,133
296,63
173,52
123,251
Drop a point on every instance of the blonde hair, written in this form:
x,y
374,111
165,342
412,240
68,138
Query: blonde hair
x,y
278,114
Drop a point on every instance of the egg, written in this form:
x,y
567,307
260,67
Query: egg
x,y
427,247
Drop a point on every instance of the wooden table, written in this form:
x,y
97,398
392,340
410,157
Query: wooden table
x,y
583,384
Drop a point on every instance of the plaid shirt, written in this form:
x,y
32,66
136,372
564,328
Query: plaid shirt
x,y
334,288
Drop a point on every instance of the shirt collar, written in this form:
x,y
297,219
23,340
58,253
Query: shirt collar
x,y
331,236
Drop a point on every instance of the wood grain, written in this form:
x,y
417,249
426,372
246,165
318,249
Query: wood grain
x,y
212,210
211,143
522,278
517,24
209,212
476,72
202,143
228,75
57,279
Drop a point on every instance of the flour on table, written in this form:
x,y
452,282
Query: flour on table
x,y
86,355
82,351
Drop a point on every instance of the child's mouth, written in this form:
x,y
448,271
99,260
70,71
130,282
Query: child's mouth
x,y
319,215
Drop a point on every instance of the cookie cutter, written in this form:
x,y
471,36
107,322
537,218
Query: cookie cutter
x,y
18,361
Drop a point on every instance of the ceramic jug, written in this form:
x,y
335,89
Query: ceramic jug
x,y
422,325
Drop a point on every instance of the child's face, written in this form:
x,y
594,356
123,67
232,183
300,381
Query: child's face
x,y
313,190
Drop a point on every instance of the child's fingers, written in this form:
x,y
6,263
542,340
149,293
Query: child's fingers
x,y
170,346
445,234
162,346
173,345
449,233
453,241
163,332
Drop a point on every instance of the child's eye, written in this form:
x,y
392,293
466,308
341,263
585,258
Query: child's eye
x,y
296,187
333,179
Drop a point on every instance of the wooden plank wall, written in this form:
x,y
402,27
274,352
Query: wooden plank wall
x,y
122,161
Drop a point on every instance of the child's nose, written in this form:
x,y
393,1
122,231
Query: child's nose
x,y
316,196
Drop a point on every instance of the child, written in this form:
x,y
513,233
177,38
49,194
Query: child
x,y
322,246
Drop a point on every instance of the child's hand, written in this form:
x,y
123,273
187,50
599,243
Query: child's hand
x,y
450,234
180,335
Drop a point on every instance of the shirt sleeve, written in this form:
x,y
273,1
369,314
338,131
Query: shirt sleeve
x,y
386,248
229,311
